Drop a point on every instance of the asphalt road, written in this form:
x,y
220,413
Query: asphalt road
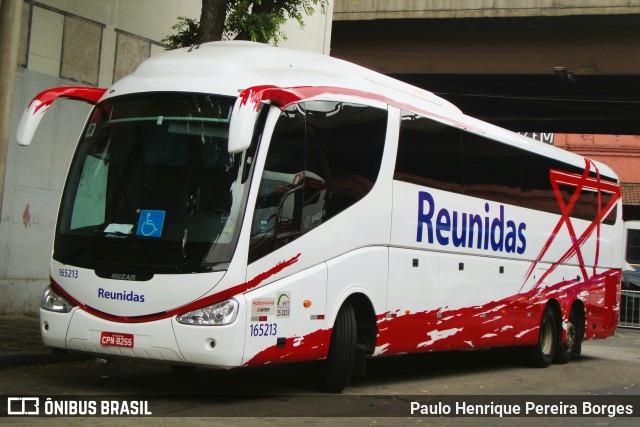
x,y
273,395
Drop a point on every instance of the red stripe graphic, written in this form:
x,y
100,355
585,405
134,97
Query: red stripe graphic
x,y
88,94
283,97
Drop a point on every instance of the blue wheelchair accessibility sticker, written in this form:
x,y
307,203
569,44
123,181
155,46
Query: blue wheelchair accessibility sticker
x,y
150,223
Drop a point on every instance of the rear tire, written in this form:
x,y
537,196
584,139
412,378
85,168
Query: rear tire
x,y
566,350
338,366
541,355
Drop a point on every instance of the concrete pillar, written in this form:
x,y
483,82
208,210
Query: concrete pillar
x,y
10,19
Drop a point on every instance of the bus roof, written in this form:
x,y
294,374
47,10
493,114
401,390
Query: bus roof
x,y
229,67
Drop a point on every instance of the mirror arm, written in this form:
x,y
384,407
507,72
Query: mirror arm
x,y
40,104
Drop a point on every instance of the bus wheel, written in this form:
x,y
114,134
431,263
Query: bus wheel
x,y
541,354
342,352
569,347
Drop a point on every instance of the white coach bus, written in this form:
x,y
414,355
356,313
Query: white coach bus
x,y
234,204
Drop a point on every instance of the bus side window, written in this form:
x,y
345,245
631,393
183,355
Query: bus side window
x,y
275,219
345,143
429,154
632,254
323,158
491,170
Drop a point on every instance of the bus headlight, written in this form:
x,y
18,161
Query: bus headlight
x,y
221,313
54,302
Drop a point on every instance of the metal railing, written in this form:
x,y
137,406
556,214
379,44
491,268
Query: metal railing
x,y
630,309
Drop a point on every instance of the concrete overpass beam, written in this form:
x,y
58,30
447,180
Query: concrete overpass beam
x,y
350,10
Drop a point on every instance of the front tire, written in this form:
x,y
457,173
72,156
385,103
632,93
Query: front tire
x,y
542,354
340,361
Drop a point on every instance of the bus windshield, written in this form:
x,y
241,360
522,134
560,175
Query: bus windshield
x,y
152,186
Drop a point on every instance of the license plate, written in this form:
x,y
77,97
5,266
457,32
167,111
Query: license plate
x,y
115,339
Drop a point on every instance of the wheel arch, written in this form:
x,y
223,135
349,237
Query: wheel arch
x,y
346,354
557,312
365,320
580,310
577,307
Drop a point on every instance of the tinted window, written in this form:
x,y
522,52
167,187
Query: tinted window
x,y
537,192
429,154
633,246
491,170
323,158
439,156
583,201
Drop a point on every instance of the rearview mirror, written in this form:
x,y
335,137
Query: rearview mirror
x,y
247,108
40,104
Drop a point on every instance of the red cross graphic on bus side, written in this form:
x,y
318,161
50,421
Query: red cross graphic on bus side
x,y
580,182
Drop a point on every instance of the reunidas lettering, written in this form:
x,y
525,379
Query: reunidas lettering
x,y
488,231
121,296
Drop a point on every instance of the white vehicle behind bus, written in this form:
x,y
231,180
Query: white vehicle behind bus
x,y
234,204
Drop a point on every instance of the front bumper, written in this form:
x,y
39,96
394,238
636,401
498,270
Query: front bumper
x,y
163,340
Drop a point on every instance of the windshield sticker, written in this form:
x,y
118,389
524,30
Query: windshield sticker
x,y
119,228
150,223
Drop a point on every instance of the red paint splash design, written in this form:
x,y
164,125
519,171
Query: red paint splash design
x,y
507,322
195,305
313,346
46,97
510,321
283,97
254,94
